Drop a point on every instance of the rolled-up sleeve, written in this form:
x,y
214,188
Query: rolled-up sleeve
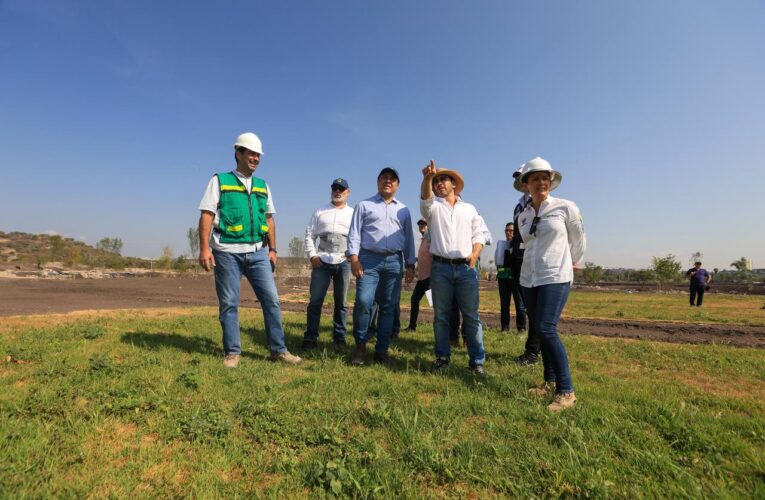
x,y
477,230
426,207
310,235
354,232
576,238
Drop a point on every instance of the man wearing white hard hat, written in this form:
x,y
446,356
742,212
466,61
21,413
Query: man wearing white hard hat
x,y
237,211
553,233
457,236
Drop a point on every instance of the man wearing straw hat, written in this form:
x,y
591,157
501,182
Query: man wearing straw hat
x,y
456,239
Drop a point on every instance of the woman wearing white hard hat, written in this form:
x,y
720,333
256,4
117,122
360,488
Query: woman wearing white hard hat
x,y
553,234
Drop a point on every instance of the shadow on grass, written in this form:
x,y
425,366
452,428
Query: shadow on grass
x,y
157,340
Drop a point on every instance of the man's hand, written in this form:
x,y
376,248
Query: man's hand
x,y
409,275
315,262
429,170
356,269
272,257
206,259
473,258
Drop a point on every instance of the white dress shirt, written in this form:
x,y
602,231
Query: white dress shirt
x,y
453,230
209,203
559,242
326,222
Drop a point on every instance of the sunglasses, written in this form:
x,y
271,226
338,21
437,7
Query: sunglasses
x,y
533,228
338,188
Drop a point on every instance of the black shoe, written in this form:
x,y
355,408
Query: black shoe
x,y
358,355
521,329
504,329
411,329
440,364
526,359
383,358
309,344
478,370
339,342
394,336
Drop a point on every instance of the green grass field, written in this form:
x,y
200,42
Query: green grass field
x,y
137,403
718,308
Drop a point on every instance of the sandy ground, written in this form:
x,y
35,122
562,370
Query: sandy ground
x,y
45,296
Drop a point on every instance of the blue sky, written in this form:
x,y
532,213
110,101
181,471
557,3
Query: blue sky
x,y
114,114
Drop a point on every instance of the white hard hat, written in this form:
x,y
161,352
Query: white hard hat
x,y
250,141
539,164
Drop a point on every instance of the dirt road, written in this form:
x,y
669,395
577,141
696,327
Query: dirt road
x,y
44,296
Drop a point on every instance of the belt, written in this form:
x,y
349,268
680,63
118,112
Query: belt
x,y
396,252
438,258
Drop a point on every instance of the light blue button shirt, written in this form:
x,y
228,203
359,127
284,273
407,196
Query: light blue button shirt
x,y
382,227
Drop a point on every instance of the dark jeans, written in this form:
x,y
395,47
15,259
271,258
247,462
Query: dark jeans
x,y
383,272
505,294
697,294
340,275
420,288
533,347
544,304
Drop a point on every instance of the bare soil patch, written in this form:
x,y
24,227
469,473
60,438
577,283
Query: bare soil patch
x,y
46,296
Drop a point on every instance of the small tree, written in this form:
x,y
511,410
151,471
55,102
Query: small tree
x,y
193,236
696,257
591,273
111,245
665,269
742,268
166,260
297,247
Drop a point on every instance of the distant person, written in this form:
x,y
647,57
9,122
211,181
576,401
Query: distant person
x,y
326,241
532,349
424,262
238,211
503,261
457,236
553,233
380,246
700,280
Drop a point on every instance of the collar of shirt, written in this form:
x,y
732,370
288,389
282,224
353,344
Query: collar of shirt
x,y
378,197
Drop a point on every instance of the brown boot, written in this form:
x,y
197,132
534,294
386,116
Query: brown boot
x,y
383,358
542,389
358,354
562,401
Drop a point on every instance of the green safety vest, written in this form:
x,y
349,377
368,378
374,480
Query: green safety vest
x,y
242,215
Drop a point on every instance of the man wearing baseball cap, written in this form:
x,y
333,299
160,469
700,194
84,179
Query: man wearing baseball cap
x,y
380,244
326,241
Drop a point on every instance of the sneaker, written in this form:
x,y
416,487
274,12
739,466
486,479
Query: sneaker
x,y
542,389
358,355
411,329
526,359
309,344
231,360
286,357
478,370
440,364
562,401
383,358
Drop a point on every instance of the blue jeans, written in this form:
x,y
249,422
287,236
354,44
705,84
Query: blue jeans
x,y
544,305
383,272
458,282
255,266
340,275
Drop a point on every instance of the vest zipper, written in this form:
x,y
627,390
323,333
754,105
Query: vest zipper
x,y
252,218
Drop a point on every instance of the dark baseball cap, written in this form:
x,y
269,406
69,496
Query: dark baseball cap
x,y
389,170
340,182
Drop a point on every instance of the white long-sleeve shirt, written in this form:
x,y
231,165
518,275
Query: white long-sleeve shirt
x,y
326,222
453,230
558,244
